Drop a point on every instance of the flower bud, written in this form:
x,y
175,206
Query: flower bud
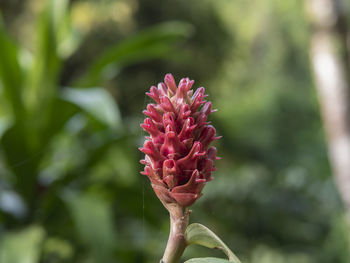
x,y
178,160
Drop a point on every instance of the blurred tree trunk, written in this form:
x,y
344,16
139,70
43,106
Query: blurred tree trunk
x,y
330,61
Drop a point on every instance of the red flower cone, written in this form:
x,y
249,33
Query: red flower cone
x,y
178,160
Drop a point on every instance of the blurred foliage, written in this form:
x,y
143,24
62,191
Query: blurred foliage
x,y
72,87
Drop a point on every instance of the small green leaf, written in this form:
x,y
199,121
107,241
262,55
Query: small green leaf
x,y
23,246
207,260
201,235
95,101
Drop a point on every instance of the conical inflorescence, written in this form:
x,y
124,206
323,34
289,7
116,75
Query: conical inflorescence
x,y
178,160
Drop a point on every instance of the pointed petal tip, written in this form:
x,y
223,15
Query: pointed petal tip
x,y
141,149
168,75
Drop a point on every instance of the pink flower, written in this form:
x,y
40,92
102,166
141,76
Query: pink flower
x,y
178,158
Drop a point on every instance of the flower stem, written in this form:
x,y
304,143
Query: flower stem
x,y
177,241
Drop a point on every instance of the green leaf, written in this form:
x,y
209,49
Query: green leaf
x,y
97,102
68,39
42,80
154,42
23,246
201,235
207,260
93,220
10,73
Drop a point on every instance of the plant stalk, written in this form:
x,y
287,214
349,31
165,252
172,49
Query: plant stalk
x,y
177,242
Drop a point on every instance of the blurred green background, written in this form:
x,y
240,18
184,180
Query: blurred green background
x,y
73,77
